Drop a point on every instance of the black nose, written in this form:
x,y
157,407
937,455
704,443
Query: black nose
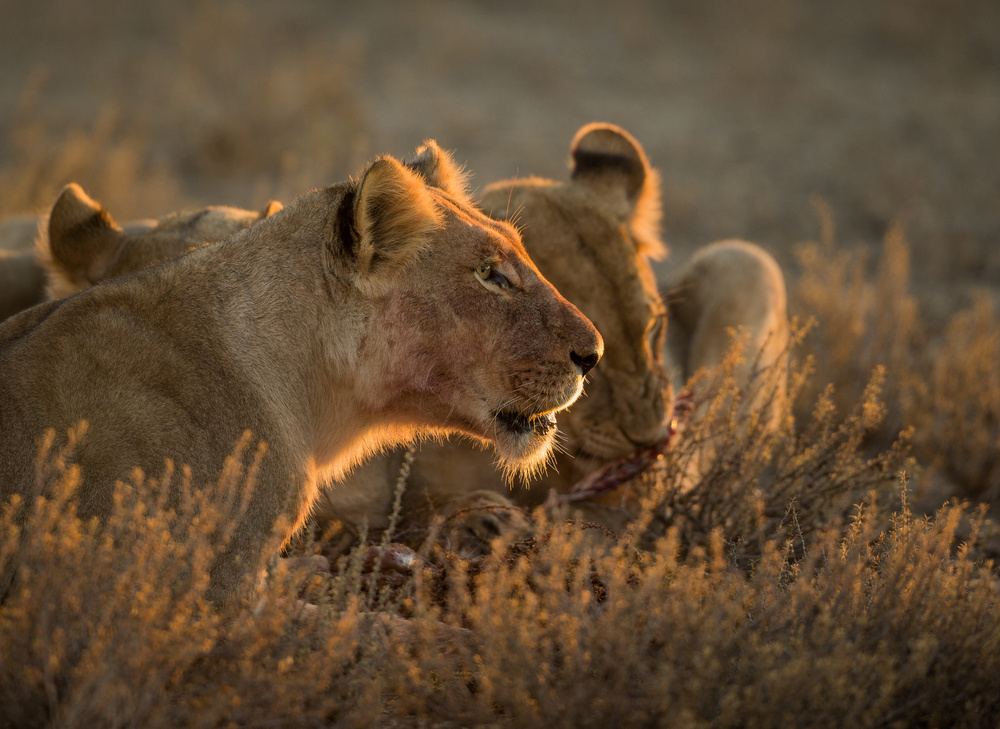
x,y
585,362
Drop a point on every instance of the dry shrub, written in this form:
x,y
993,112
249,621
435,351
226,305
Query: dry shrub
x,y
110,159
863,321
95,635
110,625
941,381
881,622
956,408
733,474
858,633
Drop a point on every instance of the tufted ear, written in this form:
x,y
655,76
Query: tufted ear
x,y
395,218
608,160
438,168
82,239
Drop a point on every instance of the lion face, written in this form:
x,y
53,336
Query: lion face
x,y
592,238
487,343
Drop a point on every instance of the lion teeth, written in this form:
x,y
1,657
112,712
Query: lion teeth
x,y
540,425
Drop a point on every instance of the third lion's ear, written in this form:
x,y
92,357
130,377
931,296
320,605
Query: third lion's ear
x,y
82,237
395,218
612,164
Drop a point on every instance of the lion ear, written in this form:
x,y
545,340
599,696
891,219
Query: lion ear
x,y
438,168
609,160
270,209
82,238
395,218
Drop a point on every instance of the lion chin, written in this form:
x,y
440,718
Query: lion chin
x,y
524,443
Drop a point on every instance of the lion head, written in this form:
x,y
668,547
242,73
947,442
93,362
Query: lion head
x,y
593,238
82,244
488,334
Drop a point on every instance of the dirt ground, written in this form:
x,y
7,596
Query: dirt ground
x,y
883,111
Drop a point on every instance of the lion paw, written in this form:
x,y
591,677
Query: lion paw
x,y
474,520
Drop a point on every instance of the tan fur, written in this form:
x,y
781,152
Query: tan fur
x,y
353,320
731,286
84,245
592,237
32,269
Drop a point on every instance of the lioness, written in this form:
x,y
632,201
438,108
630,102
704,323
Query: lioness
x,y
32,269
77,259
359,317
593,237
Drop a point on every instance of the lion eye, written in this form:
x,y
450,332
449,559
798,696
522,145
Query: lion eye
x,y
486,273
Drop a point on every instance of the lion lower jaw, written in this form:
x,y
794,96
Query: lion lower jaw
x,y
524,451
521,424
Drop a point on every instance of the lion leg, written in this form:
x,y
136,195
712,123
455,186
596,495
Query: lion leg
x,y
732,288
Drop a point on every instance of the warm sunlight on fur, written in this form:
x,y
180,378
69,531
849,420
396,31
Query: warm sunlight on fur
x,y
82,244
755,513
349,321
593,237
412,229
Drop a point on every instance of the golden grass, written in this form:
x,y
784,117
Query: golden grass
x,y
788,585
882,618
758,597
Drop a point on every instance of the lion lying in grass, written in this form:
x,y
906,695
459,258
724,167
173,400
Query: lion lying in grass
x,y
593,237
75,262
361,316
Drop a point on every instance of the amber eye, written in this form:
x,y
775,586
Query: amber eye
x,y
490,277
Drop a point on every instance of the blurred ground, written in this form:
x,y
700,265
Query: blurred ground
x,y
887,111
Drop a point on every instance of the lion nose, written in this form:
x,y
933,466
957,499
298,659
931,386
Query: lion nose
x,y
585,362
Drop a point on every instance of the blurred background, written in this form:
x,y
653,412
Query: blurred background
x,y
765,118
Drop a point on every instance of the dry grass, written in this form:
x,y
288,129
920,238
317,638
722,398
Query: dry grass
x,y
880,620
786,583
779,586
942,380
956,408
864,320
